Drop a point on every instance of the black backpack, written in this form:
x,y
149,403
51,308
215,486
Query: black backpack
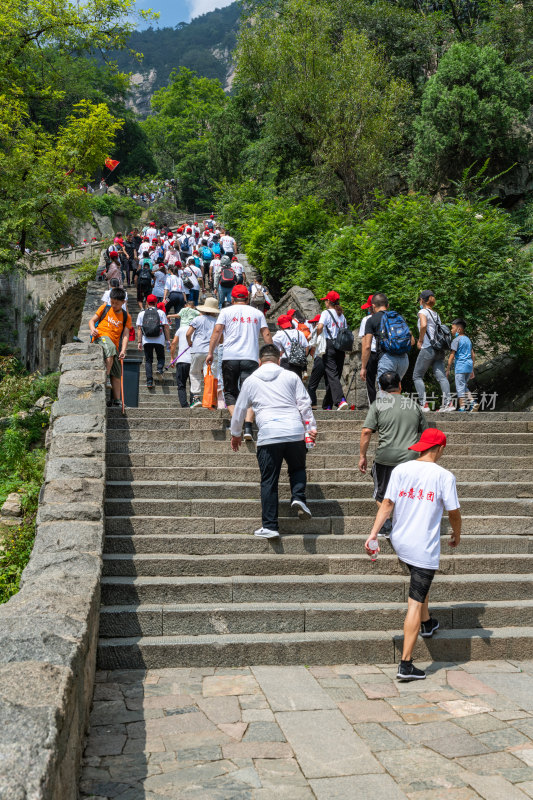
x,y
151,326
297,356
442,338
227,277
344,338
145,278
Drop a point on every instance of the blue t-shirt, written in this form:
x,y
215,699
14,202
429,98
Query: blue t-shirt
x,y
462,347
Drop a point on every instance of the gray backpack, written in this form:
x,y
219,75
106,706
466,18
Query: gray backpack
x,y
297,355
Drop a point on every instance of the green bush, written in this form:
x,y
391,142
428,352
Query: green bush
x,y
22,461
109,205
523,217
467,253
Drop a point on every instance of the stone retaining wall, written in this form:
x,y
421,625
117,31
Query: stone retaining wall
x,y
49,630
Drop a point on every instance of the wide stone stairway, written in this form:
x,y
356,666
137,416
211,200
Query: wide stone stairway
x,y
187,584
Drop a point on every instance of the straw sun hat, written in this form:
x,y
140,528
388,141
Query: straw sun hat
x,y
210,306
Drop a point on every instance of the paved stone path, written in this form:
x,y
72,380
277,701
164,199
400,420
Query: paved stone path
x,y
297,733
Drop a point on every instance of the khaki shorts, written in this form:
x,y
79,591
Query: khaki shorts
x,y
110,351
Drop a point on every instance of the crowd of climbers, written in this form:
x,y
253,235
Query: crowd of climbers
x,y
219,318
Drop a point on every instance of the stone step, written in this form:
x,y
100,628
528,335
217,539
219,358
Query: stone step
x,y
246,459
219,442
294,544
129,590
487,421
216,619
347,647
476,440
239,475
173,565
213,490
192,420
330,525
347,507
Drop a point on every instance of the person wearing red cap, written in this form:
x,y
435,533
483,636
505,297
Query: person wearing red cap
x,y
185,243
372,363
152,332
151,232
292,345
114,270
417,495
332,320
318,372
241,325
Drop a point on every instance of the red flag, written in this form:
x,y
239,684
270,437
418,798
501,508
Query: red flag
x,y
111,164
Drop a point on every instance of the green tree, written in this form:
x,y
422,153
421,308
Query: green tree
x,y
467,252
472,109
179,132
327,88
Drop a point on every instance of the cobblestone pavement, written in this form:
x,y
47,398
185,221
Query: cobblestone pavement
x,y
270,733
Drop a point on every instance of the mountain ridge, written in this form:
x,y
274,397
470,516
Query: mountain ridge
x,y
204,45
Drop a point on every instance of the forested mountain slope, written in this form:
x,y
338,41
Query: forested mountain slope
x,y
203,45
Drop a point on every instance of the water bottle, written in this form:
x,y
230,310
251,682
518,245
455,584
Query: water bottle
x,y
309,443
373,546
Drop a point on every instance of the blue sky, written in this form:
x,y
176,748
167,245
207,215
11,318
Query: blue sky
x,y
174,11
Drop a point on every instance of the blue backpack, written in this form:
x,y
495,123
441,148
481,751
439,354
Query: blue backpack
x,y
207,255
216,249
395,337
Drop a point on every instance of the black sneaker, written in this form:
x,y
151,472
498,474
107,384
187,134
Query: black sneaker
x,y
248,432
428,628
149,384
408,672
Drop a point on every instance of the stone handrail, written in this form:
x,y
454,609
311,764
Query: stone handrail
x,y
48,631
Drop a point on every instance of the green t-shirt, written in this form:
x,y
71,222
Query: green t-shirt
x,y
399,421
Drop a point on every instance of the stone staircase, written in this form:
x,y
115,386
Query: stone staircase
x,y
186,584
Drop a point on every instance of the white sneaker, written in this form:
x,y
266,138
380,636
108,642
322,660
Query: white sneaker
x,y
343,404
449,407
303,511
266,533
426,408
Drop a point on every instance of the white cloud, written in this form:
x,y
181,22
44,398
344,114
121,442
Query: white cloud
x,y
198,7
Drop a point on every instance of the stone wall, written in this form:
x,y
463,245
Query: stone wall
x,y
49,630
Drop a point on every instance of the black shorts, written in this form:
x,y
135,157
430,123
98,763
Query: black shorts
x,y
142,293
421,580
381,474
234,372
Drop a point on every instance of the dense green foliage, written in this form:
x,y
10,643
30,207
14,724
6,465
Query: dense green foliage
x,y
114,205
22,459
471,111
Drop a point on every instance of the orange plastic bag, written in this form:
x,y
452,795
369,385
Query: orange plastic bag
x,y
209,399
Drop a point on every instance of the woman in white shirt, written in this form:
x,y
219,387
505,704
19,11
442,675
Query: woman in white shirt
x,y
114,284
331,321
174,296
284,339
160,278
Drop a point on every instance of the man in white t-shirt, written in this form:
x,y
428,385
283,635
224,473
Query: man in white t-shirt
x,y
198,337
417,495
149,340
228,244
241,325
284,418
193,274
180,350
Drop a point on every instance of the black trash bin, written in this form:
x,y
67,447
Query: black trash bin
x,y
132,368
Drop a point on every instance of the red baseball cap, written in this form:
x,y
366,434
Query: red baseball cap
x,y
161,306
368,303
113,254
151,298
291,312
315,319
430,438
284,321
239,290
333,297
